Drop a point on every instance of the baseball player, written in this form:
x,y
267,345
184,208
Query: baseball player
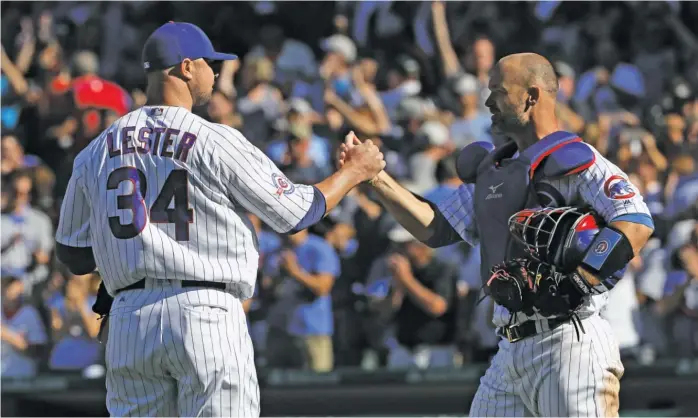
x,y
548,363
158,204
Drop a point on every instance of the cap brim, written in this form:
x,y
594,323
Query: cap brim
x,y
217,56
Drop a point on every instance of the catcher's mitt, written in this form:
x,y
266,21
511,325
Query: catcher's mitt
x,y
529,286
511,284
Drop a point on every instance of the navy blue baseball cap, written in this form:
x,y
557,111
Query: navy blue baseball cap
x,y
172,42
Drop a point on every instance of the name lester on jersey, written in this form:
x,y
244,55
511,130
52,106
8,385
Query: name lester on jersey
x,y
157,141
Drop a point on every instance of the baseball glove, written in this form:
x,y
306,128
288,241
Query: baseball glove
x,y
101,307
511,284
529,286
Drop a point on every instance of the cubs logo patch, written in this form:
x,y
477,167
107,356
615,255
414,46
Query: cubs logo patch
x,y
601,247
283,186
618,188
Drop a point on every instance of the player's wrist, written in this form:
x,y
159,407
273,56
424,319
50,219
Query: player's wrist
x,y
580,279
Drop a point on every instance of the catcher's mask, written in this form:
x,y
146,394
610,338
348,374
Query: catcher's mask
x,y
557,236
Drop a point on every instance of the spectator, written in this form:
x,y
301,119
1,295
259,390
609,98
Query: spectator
x,y
300,167
256,307
622,312
423,164
422,295
372,223
14,158
300,309
222,109
75,326
402,82
681,299
291,59
262,103
27,235
300,126
473,124
447,178
348,340
683,185
23,334
479,61
566,79
651,187
624,71
335,69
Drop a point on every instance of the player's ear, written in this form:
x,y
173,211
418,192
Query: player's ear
x,y
533,95
186,69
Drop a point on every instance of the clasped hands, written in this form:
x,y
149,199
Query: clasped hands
x,y
364,158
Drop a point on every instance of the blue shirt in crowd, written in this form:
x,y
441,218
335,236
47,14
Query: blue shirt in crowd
x,y
319,150
297,310
467,131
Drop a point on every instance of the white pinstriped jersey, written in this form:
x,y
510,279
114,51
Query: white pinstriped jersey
x,y
163,193
603,186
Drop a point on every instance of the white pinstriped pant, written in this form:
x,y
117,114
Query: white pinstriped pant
x,y
174,351
553,374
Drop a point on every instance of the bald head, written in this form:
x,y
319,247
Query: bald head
x,y
523,98
528,70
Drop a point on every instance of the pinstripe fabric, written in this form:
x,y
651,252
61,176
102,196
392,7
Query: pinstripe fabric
x,y
227,176
174,351
498,394
581,189
179,352
554,374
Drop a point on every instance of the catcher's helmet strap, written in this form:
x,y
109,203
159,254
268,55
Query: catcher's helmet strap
x,y
610,252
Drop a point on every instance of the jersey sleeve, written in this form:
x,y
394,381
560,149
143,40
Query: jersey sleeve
x,y
459,211
606,188
74,222
253,181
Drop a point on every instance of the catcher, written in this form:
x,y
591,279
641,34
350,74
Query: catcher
x,y
557,223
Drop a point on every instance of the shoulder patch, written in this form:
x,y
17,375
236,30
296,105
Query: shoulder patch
x,y
569,159
618,187
283,186
469,160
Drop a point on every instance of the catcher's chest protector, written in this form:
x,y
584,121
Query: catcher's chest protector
x,y
504,186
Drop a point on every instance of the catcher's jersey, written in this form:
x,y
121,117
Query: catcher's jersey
x,y
603,186
163,193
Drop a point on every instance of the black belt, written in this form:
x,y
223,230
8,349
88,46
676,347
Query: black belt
x,y
516,333
185,283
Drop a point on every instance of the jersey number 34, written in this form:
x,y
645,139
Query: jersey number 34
x,y
176,187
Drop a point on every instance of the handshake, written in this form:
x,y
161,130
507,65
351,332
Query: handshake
x,y
362,159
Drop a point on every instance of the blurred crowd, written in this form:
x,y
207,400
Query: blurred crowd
x,y
356,290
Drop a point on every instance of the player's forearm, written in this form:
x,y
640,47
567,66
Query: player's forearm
x,y
637,235
336,186
413,214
